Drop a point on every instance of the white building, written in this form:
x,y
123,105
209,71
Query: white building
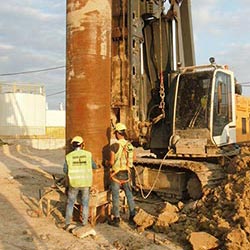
x,y
22,110
23,115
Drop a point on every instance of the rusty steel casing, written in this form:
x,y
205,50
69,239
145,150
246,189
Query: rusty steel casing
x,y
88,73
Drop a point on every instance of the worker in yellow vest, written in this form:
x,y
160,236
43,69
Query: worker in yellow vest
x,y
78,168
121,161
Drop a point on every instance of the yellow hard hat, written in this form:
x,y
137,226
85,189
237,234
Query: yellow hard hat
x,y
77,139
120,126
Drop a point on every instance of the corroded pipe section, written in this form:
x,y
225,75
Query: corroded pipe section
x,y
88,73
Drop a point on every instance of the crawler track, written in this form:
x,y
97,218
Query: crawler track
x,y
199,175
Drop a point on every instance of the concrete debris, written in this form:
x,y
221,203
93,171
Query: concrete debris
x,y
191,206
203,241
164,220
180,205
143,220
168,215
237,240
170,208
84,231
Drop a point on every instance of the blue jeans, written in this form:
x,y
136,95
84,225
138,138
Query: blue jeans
x,y
72,195
115,188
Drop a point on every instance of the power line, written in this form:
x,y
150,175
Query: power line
x,y
244,83
57,93
32,71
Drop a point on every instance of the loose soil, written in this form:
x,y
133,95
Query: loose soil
x,y
222,214
23,172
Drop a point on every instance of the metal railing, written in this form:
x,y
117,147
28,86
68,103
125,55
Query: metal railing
x,y
22,88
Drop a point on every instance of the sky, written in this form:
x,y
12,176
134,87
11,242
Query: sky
x,y
33,37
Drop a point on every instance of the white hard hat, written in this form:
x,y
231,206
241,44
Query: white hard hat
x,y
120,126
77,139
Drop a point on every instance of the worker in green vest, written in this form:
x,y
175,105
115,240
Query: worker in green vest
x,y
121,160
78,168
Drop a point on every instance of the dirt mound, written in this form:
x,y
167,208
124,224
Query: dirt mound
x,y
223,212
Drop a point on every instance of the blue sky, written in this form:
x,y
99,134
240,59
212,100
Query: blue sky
x,y
32,37
221,30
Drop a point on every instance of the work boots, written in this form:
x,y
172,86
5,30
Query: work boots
x,y
115,222
131,220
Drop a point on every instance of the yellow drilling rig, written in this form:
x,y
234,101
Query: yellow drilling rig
x,y
189,120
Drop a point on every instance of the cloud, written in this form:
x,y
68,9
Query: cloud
x,y
32,36
6,47
239,55
219,31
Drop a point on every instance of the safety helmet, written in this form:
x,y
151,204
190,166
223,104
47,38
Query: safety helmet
x,y
77,139
120,126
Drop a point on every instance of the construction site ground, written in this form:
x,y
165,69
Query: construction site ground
x,y
220,220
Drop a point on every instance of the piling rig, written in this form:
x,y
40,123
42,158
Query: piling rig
x,y
181,117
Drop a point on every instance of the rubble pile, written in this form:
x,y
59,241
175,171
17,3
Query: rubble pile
x,y
220,220
223,212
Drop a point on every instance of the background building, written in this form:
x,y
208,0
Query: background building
x,y
24,117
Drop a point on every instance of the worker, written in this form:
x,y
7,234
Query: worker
x,y
204,101
121,161
78,168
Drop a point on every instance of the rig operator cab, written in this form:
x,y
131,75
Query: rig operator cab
x,y
201,116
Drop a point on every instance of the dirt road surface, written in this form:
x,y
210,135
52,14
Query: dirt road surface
x,y
23,172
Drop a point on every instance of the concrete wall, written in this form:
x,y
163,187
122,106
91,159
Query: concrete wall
x,y
22,114
55,118
55,123
37,143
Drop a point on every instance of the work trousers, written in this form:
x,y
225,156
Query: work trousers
x,y
115,188
72,196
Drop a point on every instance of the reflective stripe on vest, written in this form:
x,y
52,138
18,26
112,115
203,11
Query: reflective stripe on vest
x,y
123,157
79,168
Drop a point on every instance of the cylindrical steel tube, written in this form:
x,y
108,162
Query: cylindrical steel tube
x,y
88,73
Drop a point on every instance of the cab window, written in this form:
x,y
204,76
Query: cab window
x,y
222,110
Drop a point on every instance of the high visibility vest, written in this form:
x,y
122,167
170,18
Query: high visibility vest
x,y
204,101
79,168
124,156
